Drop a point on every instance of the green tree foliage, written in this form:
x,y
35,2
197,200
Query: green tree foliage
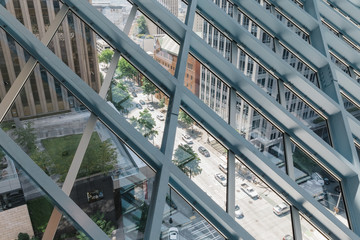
x,y
42,160
162,102
187,160
120,96
148,88
186,119
105,56
98,218
145,124
142,26
125,69
26,137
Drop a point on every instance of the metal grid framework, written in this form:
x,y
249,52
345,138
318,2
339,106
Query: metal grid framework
x,y
341,159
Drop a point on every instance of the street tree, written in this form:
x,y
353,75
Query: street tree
x,y
105,225
25,137
186,119
142,25
125,69
187,160
120,96
148,88
146,124
105,56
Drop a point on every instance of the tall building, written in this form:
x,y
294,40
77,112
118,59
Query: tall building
x,y
267,146
73,43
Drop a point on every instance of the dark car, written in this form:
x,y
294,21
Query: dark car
x,y
134,94
204,151
138,106
142,102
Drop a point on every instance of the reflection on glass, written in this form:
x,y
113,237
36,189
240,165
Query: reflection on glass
x,y
319,183
181,221
177,7
260,132
340,63
139,100
22,203
83,51
306,115
36,16
51,139
259,210
115,185
350,107
200,157
309,232
208,87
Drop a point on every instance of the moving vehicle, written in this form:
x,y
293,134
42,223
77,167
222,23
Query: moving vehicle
x,y
221,178
204,151
187,139
281,208
249,190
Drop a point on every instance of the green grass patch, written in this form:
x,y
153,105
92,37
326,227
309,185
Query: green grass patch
x,y
100,157
40,210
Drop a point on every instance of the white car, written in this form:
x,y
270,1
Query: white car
x,y
223,167
281,208
238,212
221,178
187,139
151,108
160,117
173,233
249,190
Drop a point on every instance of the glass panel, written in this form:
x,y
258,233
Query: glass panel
x,y
114,185
225,5
306,115
255,29
182,221
299,65
340,64
309,232
260,132
140,101
177,8
155,42
50,137
208,87
116,11
319,183
12,60
82,50
257,73
350,107
34,15
24,207
212,36
259,210
199,156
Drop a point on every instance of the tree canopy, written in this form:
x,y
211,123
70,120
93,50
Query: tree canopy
x,y
126,69
142,25
26,137
148,88
145,124
187,160
105,56
120,96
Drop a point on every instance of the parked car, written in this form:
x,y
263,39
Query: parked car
x,y
204,151
223,167
94,196
238,212
187,139
142,102
151,108
249,190
160,117
173,233
281,209
138,106
221,178
134,94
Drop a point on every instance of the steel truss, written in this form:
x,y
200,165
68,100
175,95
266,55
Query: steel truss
x,y
341,160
